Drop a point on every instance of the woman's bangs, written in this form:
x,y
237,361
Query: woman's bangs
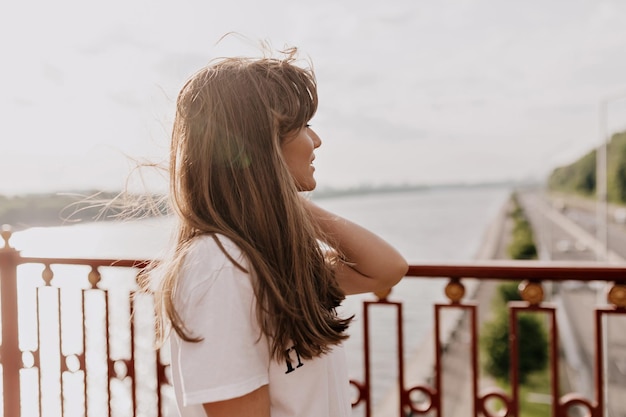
x,y
300,103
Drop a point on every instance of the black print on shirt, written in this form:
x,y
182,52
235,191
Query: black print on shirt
x,y
290,367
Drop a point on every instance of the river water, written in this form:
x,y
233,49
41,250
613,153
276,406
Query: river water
x,y
434,224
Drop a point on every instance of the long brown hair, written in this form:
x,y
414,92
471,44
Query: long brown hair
x,y
228,177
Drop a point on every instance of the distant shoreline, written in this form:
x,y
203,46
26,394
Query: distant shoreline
x,y
328,192
57,209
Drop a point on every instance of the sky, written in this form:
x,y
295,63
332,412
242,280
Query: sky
x,y
411,91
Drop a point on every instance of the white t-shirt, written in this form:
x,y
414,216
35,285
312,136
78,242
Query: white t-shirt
x,y
216,301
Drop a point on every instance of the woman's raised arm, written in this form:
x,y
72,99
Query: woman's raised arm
x,y
371,264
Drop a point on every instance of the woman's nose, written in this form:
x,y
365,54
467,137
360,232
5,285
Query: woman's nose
x,y
316,139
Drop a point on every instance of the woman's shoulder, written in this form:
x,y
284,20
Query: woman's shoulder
x,y
209,257
215,251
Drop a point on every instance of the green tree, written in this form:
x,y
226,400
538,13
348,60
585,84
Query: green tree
x,y
620,183
508,291
532,345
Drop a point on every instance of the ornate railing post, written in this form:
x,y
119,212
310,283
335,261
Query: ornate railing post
x,y
9,351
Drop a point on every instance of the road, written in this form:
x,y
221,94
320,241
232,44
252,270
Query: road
x,y
569,234
583,213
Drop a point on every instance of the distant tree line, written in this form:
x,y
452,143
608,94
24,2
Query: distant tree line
x,y
53,209
580,176
363,189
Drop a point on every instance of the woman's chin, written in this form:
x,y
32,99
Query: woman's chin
x,y
309,186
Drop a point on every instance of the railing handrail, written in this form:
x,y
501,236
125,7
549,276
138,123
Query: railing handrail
x,y
489,270
96,262
519,270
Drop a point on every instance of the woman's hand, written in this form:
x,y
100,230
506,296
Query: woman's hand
x,y
371,264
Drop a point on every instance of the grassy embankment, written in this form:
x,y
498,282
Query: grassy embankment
x,y
533,370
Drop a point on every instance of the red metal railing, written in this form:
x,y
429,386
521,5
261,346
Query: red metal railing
x,y
113,378
531,274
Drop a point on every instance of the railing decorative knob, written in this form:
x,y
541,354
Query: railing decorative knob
x,y
94,277
455,290
6,235
531,292
47,275
382,294
617,295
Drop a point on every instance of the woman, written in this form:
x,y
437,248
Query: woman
x,y
258,270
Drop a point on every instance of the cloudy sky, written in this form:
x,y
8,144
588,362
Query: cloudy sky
x,y
411,91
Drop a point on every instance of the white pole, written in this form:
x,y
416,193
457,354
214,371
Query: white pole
x,y
601,187
602,220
